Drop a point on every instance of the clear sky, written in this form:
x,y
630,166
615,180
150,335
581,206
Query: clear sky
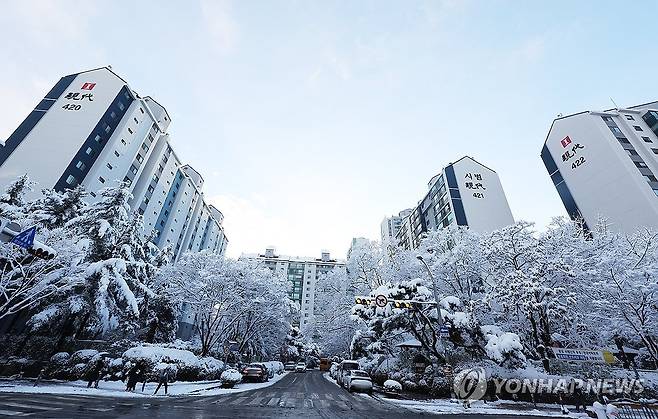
x,y
312,120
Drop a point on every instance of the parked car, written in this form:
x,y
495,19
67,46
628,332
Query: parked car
x,y
357,380
345,367
274,367
290,366
325,364
255,372
300,367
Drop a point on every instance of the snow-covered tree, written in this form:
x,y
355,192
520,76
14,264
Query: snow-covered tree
x,y
232,300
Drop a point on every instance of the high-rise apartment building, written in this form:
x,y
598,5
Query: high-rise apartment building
x,y
303,273
92,129
465,193
391,225
604,166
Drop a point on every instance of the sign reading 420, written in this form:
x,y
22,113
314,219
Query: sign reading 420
x,y
79,97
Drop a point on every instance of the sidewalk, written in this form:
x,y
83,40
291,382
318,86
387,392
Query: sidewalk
x,y
117,388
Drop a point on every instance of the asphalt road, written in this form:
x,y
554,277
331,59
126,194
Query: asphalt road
x,y
298,395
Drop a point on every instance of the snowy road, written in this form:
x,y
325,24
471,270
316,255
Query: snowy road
x,y
306,395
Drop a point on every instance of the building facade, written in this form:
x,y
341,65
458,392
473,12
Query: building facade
x,y
391,225
92,129
303,274
465,193
604,166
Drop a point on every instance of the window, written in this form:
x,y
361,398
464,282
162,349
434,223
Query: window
x,y
145,147
128,180
100,178
640,164
607,118
130,130
123,141
140,158
637,128
136,121
655,150
80,165
156,178
71,180
651,178
140,211
98,138
109,166
113,115
623,140
616,131
632,153
133,169
107,128
146,200
141,110
150,189
646,139
630,117
92,194
116,153
121,106
89,151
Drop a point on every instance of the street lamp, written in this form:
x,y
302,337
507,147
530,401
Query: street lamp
x,y
436,293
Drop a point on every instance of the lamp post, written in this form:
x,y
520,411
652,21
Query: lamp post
x,y
436,292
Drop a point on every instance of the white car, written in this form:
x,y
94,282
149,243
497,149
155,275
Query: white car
x,y
357,380
300,367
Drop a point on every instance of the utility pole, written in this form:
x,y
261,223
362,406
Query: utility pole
x,y
436,292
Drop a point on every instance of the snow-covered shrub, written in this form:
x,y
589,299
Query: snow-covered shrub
x,y
333,371
230,378
60,359
189,366
392,385
115,368
83,356
276,367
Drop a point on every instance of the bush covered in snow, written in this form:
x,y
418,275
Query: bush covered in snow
x,y
276,367
230,378
189,366
392,385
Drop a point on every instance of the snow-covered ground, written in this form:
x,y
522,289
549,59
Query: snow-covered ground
x,y
117,388
451,407
328,377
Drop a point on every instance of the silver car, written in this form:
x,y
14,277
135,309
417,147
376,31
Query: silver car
x,y
357,380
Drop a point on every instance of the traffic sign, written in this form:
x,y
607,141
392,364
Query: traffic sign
x,y
25,238
444,332
381,300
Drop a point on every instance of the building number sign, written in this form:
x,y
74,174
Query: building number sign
x,y
572,153
474,182
76,99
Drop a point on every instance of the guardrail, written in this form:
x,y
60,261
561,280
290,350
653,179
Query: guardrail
x,y
636,409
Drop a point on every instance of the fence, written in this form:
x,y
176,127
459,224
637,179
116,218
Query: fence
x,y
637,410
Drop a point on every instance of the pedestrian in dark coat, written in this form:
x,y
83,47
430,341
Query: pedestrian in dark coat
x,y
133,377
163,378
94,372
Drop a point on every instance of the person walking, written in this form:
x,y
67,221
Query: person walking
x,y
94,372
133,376
163,378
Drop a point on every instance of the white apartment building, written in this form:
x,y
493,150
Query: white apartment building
x,y
303,273
93,130
465,193
391,225
604,166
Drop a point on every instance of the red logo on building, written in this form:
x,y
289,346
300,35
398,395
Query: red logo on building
x,y
565,141
88,86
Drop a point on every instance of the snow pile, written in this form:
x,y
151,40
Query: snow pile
x,y
275,366
392,385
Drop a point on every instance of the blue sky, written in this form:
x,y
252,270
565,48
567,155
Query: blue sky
x,y
312,120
